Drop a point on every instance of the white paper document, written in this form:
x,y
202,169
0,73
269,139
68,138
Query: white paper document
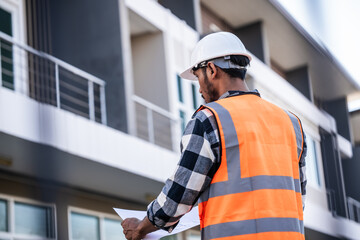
x,y
189,220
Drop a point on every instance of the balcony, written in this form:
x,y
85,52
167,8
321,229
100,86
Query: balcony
x,y
154,124
56,115
49,80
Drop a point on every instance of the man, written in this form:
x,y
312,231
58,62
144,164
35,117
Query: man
x,y
242,158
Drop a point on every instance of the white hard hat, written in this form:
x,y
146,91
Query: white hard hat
x,y
212,46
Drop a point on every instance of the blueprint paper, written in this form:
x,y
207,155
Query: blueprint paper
x,y
189,220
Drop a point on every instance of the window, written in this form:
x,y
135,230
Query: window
x,y
180,88
112,229
3,216
188,101
171,237
33,220
6,51
194,96
193,235
29,220
183,120
84,226
312,168
89,225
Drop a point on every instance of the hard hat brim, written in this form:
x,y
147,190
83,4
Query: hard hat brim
x,y
187,74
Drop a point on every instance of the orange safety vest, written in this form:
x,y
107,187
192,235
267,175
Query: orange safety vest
x,y
255,193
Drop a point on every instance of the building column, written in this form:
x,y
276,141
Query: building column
x,y
253,37
351,174
334,177
187,10
300,79
339,110
352,165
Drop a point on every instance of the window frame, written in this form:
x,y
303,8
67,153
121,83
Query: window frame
x,y
313,133
93,213
188,233
11,234
17,11
187,105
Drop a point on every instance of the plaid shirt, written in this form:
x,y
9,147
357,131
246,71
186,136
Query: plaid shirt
x,y
200,159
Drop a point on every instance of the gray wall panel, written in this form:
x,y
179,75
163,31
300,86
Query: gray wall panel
x,y
184,9
300,79
86,34
351,174
252,37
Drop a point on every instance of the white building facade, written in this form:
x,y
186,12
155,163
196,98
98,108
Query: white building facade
x,y
92,109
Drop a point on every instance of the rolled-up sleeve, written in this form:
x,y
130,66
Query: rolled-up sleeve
x,y
193,173
302,169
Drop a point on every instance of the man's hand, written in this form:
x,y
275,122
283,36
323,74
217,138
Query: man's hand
x,y
134,229
131,229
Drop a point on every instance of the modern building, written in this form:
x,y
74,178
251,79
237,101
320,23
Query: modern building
x,y
92,109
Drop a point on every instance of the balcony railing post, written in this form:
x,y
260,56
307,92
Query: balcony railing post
x,y
57,85
150,121
103,105
351,208
0,65
91,100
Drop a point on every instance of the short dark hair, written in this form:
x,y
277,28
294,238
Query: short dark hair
x,y
235,72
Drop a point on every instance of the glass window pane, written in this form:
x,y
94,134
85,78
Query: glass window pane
x,y
33,220
5,22
180,91
3,216
194,95
182,119
193,236
6,51
84,227
171,237
312,171
113,230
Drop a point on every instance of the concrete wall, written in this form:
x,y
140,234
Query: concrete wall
x,y
86,34
150,68
209,20
315,235
38,123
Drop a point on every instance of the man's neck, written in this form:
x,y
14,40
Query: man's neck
x,y
233,85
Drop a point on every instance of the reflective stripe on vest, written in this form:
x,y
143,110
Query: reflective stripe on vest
x,y
298,132
253,226
245,197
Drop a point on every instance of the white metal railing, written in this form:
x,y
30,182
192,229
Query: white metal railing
x,y
155,124
354,209
50,80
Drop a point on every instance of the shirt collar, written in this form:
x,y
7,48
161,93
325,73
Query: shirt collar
x,y
231,94
236,93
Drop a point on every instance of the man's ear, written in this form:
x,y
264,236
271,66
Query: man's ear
x,y
213,70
